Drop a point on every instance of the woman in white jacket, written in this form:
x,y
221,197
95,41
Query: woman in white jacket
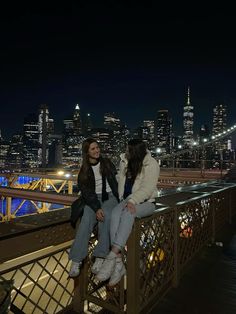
x,y
137,187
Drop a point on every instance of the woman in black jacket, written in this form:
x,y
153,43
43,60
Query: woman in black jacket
x,y
99,191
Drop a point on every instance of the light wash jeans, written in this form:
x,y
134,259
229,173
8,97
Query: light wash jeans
x,y
79,248
122,221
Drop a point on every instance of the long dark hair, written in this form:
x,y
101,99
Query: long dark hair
x,y
137,150
84,170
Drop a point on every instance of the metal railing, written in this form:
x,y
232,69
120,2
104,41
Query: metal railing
x,y
157,252
41,201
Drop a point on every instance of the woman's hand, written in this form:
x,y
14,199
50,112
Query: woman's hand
x,y
131,207
100,214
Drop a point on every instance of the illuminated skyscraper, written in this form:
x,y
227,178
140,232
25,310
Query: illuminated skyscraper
x,y
118,136
30,141
72,138
43,135
88,124
150,125
111,120
77,120
219,119
164,131
15,152
219,126
188,123
4,149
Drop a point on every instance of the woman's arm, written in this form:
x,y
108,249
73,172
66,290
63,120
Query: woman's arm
x,y
89,196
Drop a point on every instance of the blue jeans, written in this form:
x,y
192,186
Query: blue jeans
x,y
122,221
79,248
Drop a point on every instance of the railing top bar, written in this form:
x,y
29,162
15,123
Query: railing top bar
x,y
25,259
178,198
48,197
186,194
27,224
214,184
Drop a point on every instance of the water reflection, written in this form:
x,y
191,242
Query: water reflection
x,y
27,208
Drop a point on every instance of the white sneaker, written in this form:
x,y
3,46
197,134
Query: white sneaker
x,y
107,267
118,272
75,269
97,265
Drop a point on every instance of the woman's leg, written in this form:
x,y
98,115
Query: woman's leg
x,y
115,219
104,243
79,248
113,266
127,221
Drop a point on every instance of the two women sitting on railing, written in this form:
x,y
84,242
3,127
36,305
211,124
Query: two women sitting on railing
x,y
137,190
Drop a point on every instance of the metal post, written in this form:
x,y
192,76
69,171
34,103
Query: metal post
x,y
176,249
230,205
133,272
213,208
80,288
8,208
70,187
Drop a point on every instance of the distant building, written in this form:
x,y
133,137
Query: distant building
x,y
118,136
71,144
188,123
111,121
30,141
4,150
88,124
150,125
15,152
164,131
204,133
55,151
77,120
104,137
222,148
43,135
46,130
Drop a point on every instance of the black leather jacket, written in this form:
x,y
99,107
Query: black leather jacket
x,y
88,189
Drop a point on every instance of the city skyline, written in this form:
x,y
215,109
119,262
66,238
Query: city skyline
x,y
121,58
100,122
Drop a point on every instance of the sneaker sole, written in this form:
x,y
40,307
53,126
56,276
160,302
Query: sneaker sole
x,y
112,284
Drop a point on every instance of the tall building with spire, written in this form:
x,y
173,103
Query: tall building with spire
x,y
77,120
188,122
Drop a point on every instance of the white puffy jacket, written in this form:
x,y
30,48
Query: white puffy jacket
x,y
145,184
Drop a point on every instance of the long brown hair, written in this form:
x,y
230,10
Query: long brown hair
x,y
137,150
104,167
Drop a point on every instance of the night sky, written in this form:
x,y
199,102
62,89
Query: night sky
x,y
133,59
